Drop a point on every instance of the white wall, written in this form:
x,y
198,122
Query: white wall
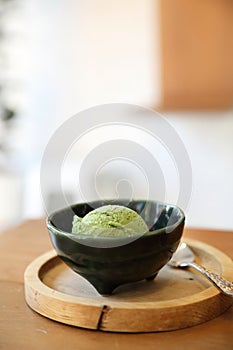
x,y
208,138
87,52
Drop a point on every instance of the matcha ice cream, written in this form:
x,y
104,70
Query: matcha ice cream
x,y
110,221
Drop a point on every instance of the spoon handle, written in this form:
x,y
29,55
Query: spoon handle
x,y
218,281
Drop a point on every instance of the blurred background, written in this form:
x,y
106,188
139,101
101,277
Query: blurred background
x,y
60,57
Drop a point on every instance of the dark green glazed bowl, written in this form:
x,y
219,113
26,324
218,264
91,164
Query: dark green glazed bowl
x,y
109,262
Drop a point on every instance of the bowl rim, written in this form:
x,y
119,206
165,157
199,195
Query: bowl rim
x,y
148,233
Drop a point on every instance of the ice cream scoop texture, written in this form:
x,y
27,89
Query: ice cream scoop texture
x,y
110,221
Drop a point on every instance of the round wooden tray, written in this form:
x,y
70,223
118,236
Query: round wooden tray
x,y
176,299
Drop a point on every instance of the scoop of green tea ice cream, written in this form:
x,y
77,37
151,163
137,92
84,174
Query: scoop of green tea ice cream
x,y
110,221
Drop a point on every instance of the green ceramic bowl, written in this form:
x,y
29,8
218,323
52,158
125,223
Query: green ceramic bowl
x,y
109,262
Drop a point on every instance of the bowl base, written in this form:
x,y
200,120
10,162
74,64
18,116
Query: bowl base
x,y
106,289
152,277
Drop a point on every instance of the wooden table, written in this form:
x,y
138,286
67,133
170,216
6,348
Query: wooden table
x,y
22,328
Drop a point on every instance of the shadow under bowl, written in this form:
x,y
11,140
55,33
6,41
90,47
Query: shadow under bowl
x,y
107,262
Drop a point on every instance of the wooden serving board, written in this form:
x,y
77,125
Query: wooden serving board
x,y
177,298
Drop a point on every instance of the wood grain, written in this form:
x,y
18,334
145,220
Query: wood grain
x,y
197,54
175,299
23,329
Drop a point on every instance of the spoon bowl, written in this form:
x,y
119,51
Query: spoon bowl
x,y
184,257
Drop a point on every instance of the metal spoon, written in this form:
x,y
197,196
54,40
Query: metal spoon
x,y
184,257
